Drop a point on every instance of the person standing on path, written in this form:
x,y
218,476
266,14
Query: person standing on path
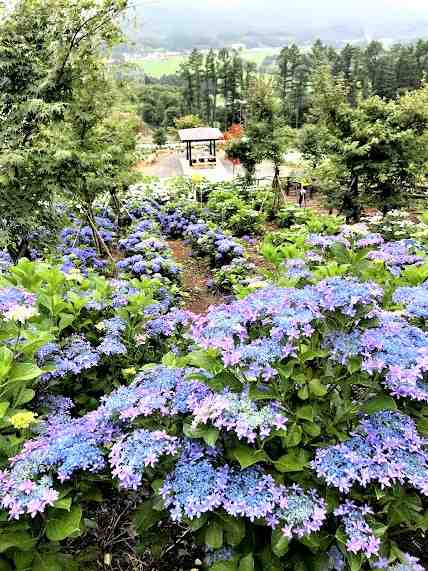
x,y
302,197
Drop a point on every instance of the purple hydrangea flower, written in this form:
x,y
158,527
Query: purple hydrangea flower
x,y
236,412
131,454
415,300
385,449
359,534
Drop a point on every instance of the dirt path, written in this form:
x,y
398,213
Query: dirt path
x,y
168,165
196,276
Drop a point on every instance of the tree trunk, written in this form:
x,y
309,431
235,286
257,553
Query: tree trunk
x,y
100,245
276,187
351,204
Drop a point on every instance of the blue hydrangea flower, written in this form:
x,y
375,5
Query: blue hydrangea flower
x,y
131,454
385,449
360,537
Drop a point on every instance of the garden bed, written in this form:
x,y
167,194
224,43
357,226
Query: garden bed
x,y
215,396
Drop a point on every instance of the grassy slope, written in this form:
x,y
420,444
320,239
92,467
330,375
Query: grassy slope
x,y
171,65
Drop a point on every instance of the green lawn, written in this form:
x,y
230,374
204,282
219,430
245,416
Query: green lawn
x,y
157,68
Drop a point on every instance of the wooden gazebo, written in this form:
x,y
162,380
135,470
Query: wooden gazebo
x,y
201,135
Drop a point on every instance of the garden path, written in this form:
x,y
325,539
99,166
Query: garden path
x,y
196,277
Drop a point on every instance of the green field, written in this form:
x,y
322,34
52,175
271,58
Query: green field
x,y
157,68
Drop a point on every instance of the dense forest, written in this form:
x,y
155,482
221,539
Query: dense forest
x,y
215,85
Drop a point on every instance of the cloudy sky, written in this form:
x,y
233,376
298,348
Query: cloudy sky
x,y
363,10
380,18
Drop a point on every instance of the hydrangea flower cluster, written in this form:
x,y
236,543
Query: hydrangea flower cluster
x,y
139,207
325,242
82,259
79,234
131,454
168,324
77,244
299,513
175,221
370,240
5,261
151,265
112,344
359,534
17,304
409,563
140,241
221,249
161,389
296,269
75,356
347,295
395,224
73,445
197,486
122,291
386,449
284,315
394,348
397,255
237,413
415,300
194,487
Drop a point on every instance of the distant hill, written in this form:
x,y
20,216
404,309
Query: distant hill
x,y
183,24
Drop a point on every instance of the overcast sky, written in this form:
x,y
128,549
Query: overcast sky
x,y
362,10
385,19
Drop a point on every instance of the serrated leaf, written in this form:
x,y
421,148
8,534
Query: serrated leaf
x,y
293,436
19,539
306,412
295,461
247,456
63,524
280,544
247,563
214,535
383,402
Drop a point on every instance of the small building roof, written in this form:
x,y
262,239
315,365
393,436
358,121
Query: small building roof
x,y
200,134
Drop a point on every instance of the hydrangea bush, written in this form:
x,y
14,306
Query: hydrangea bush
x,y
286,429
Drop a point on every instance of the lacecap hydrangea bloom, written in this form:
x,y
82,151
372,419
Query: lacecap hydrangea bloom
x,y
238,413
17,304
397,255
360,537
198,485
27,487
394,348
75,356
385,449
414,299
132,453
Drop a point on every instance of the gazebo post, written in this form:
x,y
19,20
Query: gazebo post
x,y
200,135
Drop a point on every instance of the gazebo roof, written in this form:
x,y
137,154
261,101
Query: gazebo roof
x,y
200,134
